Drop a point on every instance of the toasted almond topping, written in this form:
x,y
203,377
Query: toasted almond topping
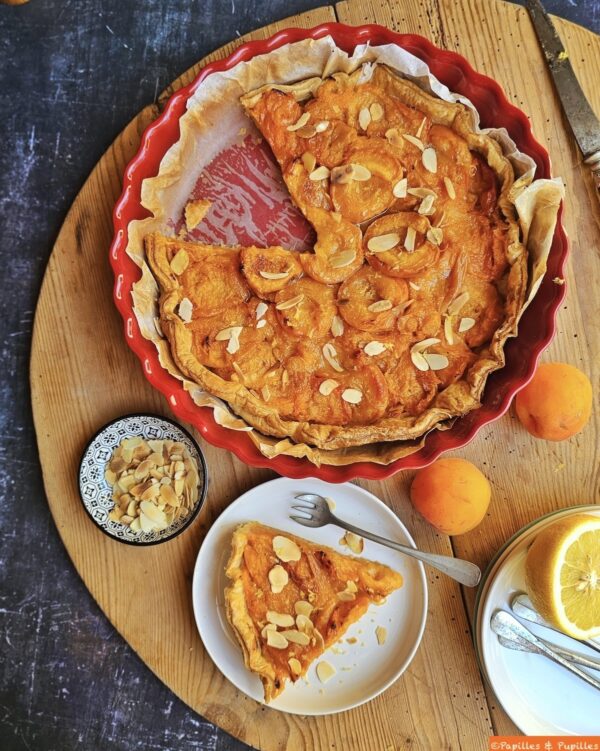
x,y
421,192
354,542
285,549
300,122
328,386
393,136
274,274
325,671
278,578
342,259
227,333
436,362
261,309
296,637
303,608
180,262
424,344
309,161
419,132
280,619
303,623
276,639
337,326
261,323
321,126
414,286
429,159
381,634
400,189
233,344
458,303
450,188
285,378
380,306
360,173
135,525
351,586
295,666
267,628
419,361
376,111
381,243
466,324
330,355
435,235
346,596
185,310
321,173
448,320
439,222
414,140
409,240
265,393
307,131
364,118
292,302
352,396
374,348
426,206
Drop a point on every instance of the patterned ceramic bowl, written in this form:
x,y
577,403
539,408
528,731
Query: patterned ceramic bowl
x,y
96,492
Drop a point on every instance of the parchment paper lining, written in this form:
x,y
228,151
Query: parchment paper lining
x,y
213,121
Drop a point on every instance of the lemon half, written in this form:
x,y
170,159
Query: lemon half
x,y
562,573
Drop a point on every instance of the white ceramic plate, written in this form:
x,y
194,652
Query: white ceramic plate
x,y
540,697
372,668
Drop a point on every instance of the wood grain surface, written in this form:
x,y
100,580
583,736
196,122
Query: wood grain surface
x,y
82,374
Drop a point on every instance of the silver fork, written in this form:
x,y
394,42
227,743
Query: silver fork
x,y
318,514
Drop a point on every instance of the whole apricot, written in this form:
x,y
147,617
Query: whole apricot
x,y
556,403
452,494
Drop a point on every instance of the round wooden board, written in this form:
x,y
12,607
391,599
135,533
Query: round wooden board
x,y
83,374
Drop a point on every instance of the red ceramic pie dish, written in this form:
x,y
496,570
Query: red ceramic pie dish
x,y
537,325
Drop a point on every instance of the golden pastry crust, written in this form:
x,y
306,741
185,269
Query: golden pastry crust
x,y
320,580
351,312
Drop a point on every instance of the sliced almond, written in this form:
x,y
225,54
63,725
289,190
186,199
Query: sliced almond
x,y
419,132
276,639
435,235
225,334
400,189
374,348
296,637
381,243
381,634
233,344
364,118
180,262
448,321
185,310
376,111
303,608
351,586
291,303
261,323
337,326
265,392
295,665
261,309
380,306
421,192
273,275
280,619
360,173
321,126
426,205
424,344
304,624
393,137
340,260
450,188
429,159
346,596
354,542
435,361
285,549
309,161
330,355
278,578
466,324
458,303
414,286
414,140
146,524
409,240
267,628
135,524
328,386
321,173
300,122
325,671
419,361
307,131
352,396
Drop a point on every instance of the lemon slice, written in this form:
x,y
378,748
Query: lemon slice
x,y
562,573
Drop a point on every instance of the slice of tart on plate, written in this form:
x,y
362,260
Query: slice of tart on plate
x,y
289,600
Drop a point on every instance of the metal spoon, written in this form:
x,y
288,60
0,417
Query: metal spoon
x,y
567,654
318,514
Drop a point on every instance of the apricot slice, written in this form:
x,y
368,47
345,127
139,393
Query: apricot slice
x,y
452,495
213,282
306,308
371,301
338,251
267,270
410,252
557,403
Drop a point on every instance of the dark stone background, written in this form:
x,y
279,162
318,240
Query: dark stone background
x,y
73,73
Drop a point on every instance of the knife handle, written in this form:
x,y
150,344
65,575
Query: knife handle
x,y
593,163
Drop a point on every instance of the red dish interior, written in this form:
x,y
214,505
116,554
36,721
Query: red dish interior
x,y
537,326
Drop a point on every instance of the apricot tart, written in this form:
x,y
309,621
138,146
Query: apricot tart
x,y
393,322
289,600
